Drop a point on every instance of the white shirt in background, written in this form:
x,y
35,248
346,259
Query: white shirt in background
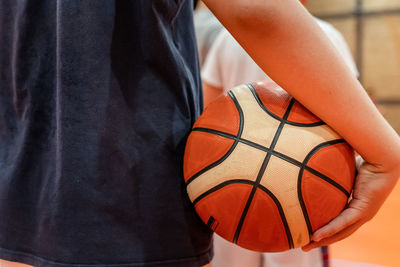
x,y
227,63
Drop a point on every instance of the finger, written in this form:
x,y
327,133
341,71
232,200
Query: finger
x,y
335,238
346,218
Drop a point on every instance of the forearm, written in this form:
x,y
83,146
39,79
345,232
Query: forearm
x,y
210,93
289,46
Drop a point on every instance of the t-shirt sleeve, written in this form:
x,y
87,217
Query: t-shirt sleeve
x,y
211,72
345,52
207,28
340,43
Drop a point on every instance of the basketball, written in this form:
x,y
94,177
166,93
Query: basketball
x,y
264,172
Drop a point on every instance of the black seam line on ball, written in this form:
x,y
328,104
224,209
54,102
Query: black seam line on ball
x,y
231,136
236,138
300,178
280,155
249,182
281,213
257,97
317,173
313,171
221,185
260,175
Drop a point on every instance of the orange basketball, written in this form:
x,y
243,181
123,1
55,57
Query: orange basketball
x,y
263,172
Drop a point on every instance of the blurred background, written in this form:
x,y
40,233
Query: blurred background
x,y
372,31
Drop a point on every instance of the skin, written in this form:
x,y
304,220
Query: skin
x,y
283,39
210,93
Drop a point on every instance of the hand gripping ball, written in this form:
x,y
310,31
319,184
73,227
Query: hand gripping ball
x,y
263,172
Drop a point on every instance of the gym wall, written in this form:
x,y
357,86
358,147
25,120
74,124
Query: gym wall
x,y
371,28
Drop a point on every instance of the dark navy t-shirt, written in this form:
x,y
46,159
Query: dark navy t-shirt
x,y
97,98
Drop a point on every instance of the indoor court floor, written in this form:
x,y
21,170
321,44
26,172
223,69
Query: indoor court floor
x,y
376,243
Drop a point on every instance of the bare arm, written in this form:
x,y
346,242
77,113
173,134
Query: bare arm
x,y
210,93
288,45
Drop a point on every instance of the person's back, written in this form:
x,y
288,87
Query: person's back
x,y
92,133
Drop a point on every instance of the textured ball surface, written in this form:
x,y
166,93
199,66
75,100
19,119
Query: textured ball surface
x,y
263,172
